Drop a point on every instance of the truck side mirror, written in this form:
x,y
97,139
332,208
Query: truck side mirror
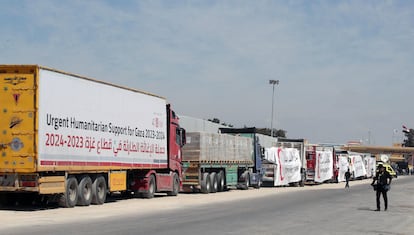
x,y
183,137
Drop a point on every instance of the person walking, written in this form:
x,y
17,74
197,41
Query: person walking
x,y
347,177
383,179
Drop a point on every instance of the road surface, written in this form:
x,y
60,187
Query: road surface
x,y
321,209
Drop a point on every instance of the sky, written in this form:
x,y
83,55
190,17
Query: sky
x,y
345,67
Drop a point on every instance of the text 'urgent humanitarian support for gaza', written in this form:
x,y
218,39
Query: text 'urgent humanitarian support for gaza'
x,y
66,122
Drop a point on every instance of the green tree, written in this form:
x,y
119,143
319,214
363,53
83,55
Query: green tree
x,y
276,132
280,133
215,120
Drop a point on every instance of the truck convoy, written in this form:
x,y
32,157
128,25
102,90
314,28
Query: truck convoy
x,y
74,139
360,165
213,162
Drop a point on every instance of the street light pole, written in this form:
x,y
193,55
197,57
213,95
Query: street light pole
x,y
273,83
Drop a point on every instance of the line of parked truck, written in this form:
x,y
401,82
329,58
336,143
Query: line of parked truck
x,y
274,161
74,140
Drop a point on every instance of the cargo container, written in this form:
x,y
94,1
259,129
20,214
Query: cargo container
x,y
214,162
253,174
75,139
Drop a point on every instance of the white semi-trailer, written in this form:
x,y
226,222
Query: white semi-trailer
x,y
74,138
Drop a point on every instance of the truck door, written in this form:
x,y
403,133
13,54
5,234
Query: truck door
x,y
258,156
17,122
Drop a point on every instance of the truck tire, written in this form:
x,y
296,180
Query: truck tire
x,y
246,183
99,191
85,191
220,179
205,183
151,188
213,182
70,198
258,185
176,186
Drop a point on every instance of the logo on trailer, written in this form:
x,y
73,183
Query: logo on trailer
x,y
15,80
156,122
16,98
16,144
15,121
318,160
280,164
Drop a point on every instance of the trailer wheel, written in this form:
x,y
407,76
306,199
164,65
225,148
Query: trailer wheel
x,y
70,197
176,186
220,179
205,183
151,188
258,185
99,191
213,182
246,183
85,191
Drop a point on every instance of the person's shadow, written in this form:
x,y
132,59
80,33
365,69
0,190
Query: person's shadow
x,y
366,209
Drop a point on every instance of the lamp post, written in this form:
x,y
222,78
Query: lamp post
x,y
273,83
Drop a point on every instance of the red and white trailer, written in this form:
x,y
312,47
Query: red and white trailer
x,y
321,164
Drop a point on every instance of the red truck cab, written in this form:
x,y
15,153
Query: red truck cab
x,y
168,180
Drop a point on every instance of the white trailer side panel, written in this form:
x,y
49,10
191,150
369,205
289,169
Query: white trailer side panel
x,y
191,124
358,166
288,162
87,123
323,166
343,165
371,165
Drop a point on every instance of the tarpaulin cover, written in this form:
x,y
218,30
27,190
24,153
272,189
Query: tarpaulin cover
x,y
323,166
288,164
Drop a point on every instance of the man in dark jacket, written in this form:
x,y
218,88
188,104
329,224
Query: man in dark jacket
x,y
347,177
383,179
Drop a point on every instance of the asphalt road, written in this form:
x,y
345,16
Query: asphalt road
x,y
319,209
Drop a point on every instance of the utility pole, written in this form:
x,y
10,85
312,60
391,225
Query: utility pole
x,y
273,83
